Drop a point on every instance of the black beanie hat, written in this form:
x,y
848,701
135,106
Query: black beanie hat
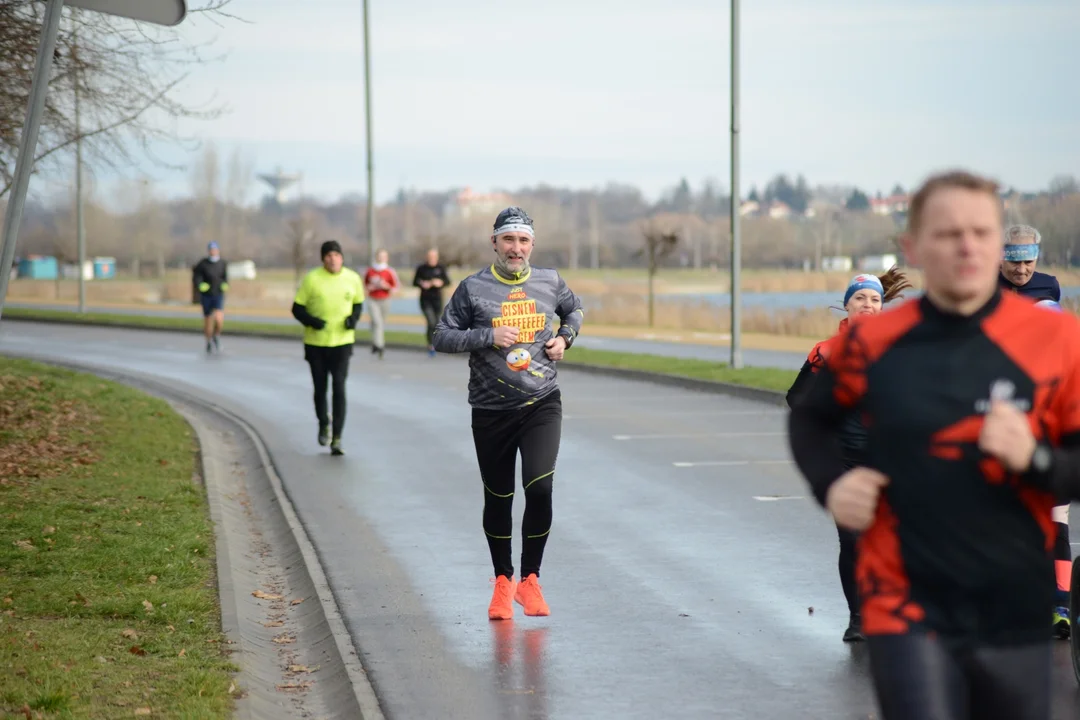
x,y
328,247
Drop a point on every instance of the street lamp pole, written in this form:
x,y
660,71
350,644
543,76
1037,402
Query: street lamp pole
x,y
736,235
25,160
367,123
80,226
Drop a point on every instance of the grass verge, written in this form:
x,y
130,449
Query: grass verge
x,y
108,606
765,378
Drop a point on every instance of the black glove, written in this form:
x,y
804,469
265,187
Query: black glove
x,y
318,323
350,324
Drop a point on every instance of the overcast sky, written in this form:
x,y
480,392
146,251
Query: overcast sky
x,y
583,92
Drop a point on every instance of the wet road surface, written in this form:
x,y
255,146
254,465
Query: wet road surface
x,y
719,353
683,562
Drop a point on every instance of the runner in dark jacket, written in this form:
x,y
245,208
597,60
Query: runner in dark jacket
x,y
866,295
210,281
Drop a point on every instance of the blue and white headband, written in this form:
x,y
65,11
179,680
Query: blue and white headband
x,y
1050,305
863,282
1022,253
513,219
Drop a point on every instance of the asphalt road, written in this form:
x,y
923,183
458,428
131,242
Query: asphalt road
x,y
756,358
688,574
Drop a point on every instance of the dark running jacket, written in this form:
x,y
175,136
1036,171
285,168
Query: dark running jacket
x,y
853,432
539,304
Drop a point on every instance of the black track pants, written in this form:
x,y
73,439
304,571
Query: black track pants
x,y
332,363
917,678
432,311
533,431
846,565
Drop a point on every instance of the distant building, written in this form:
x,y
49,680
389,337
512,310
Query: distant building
x,y
877,263
836,263
779,211
892,205
467,204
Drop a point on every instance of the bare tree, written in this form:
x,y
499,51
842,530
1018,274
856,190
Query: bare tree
x,y
204,184
148,229
237,184
659,243
301,236
126,74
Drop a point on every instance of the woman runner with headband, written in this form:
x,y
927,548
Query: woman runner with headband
x,y
866,295
500,316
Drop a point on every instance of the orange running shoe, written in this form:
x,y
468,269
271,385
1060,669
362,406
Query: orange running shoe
x,y
502,600
529,596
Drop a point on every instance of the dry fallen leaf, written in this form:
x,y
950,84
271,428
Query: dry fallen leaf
x,y
24,545
298,601
295,686
143,711
48,530
182,653
273,623
284,639
232,688
129,633
171,628
152,579
148,605
8,601
136,650
265,596
299,669
26,712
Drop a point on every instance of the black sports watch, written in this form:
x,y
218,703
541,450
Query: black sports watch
x,y
1042,459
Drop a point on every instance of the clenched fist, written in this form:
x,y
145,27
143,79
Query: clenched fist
x,y
555,347
505,336
853,498
1006,435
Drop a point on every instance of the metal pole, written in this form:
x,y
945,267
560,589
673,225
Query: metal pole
x,y
370,159
80,228
736,235
39,85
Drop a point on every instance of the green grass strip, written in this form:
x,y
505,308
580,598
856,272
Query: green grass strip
x,y
108,606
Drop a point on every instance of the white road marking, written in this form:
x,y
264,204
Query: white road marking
x,y
774,498
622,415
696,435
710,463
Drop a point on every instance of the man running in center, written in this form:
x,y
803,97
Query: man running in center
x,y
973,432
500,316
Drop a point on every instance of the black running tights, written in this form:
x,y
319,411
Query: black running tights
x,y
534,431
917,678
332,362
846,566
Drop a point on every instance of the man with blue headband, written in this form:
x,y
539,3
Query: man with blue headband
x,y
1022,243
515,321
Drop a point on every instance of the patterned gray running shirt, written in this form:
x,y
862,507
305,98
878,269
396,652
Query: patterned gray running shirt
x,y
540,305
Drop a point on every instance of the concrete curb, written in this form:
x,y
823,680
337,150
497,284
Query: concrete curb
x,y
343,689
745,392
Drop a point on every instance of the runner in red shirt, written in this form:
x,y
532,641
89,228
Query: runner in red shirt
x,y
380,282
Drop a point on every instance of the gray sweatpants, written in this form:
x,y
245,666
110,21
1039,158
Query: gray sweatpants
x,y
379,310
